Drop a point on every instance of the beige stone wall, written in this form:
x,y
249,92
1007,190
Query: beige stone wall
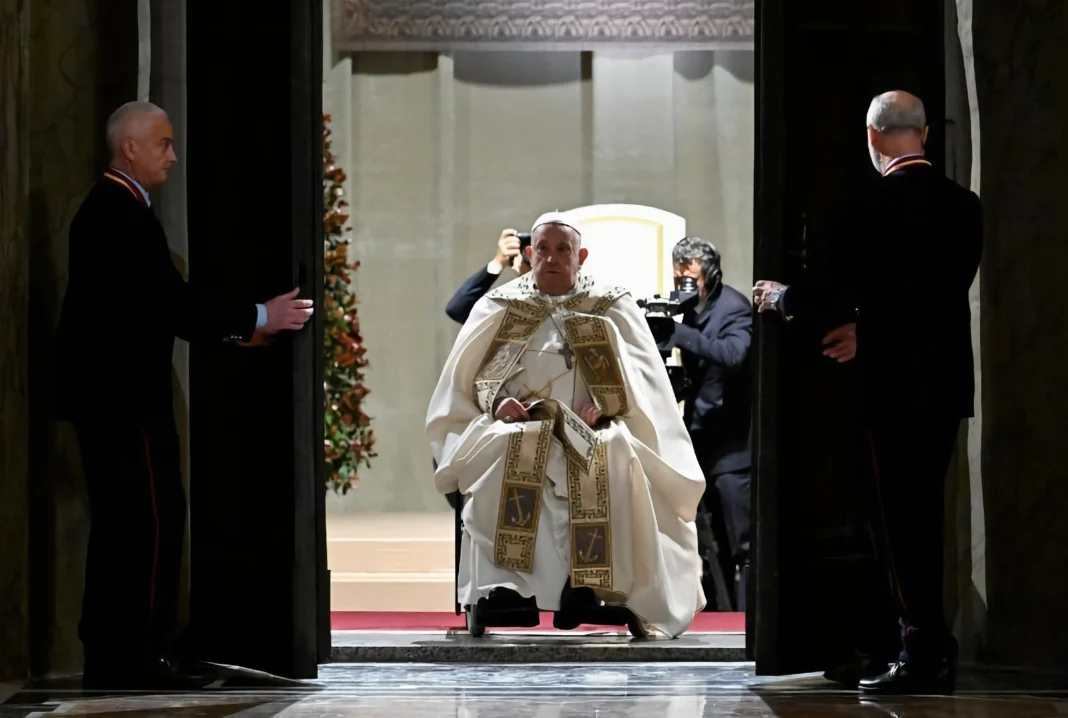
x,y
445,151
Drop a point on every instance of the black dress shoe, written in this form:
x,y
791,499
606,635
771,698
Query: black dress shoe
x,y
153,675
575,607
505,599
850,673
190,670
907,679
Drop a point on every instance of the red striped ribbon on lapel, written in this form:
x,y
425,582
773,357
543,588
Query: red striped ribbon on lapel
x,y
119,179
905,161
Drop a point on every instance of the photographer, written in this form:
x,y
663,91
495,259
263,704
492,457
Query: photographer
x,y
713,340
508,254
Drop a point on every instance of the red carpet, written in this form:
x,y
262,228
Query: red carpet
x,y
397,621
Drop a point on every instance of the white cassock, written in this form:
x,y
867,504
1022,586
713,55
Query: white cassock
x,y
611,507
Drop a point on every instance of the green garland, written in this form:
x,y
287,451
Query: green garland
x,y
349,439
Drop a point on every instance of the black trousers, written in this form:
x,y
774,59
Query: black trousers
x,y
733,491
910,457
138,515
723,533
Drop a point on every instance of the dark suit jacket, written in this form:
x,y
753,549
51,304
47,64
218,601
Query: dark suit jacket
x,y
715,355
460,306
903,259
125,303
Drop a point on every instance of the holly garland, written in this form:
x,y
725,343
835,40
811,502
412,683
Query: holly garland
x,y
349,439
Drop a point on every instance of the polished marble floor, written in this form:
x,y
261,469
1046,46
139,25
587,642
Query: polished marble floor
x,y
662,690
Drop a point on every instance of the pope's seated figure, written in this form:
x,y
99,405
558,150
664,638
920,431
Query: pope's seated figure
x,y
554,416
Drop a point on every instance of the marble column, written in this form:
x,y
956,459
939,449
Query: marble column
x,y
715,103
14,310
620,172
965,531
1021,72
161,32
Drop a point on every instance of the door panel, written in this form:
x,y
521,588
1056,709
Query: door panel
x,y
258,557
819,64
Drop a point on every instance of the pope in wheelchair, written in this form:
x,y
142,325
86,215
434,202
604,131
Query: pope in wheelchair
x,y
555,419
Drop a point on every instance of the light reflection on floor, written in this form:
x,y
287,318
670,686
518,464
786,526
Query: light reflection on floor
x,y
663,690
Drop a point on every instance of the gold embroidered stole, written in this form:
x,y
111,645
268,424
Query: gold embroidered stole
x,y
588,335
527,453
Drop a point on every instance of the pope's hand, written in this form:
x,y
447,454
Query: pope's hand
x,y
765,293
590,414
842,343
507,247
286,312
510,410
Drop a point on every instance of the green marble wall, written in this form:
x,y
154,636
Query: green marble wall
x,y
63,68
14,317
83,64
1021,73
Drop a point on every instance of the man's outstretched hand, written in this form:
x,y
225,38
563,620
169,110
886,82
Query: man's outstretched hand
x,y
287,313
841,343
765,294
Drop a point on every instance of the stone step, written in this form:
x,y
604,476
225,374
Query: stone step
x,y
548,647
393,591
391,542
390,554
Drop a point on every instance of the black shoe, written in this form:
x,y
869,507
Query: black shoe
x,y
192,671
505,599
153,675
907,679
504,607
850,673
575,605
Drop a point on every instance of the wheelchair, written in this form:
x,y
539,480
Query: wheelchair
x,y
516,612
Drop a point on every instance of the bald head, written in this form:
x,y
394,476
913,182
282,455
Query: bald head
x,y
131,120
897,125
897,111
141,142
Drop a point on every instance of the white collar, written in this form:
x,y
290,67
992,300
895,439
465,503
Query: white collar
x,y
144,193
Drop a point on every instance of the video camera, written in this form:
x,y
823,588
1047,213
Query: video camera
x,y
660,315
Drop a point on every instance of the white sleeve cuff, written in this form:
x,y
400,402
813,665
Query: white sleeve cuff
x,y
261,315
494,267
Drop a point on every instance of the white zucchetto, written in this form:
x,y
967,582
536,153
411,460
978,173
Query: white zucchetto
x,y
560,218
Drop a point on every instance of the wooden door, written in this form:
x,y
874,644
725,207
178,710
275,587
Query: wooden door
x,y
819,63
259,592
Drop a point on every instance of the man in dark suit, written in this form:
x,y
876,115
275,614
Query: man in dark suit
x,y
476,286
909,248
714,344
124,306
